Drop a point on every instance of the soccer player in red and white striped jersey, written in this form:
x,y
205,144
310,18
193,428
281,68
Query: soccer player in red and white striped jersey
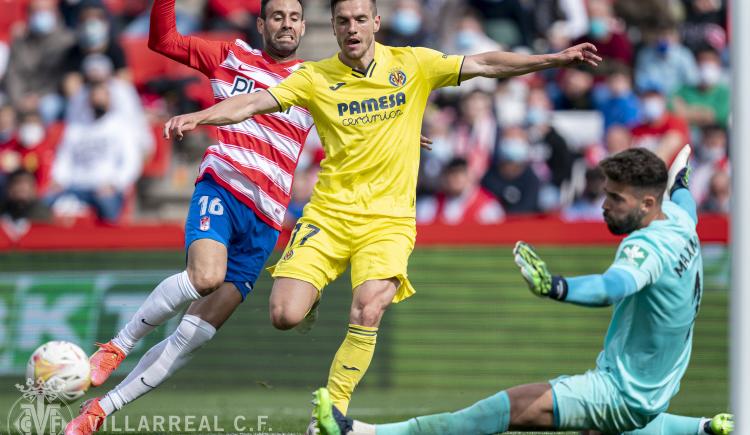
x,y
240,198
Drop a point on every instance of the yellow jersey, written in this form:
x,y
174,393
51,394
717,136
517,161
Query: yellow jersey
x,y
369,123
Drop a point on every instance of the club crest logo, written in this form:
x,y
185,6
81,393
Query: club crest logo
x,y
205,223
40,410
397,77
288,255
633,255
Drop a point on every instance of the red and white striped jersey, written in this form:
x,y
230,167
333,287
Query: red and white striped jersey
x,y
255,160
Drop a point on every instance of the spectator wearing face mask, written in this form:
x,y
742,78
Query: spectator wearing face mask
x,y
97,162
512,180
29,148
438,126
549,148
93,36
98,69
660,131
21,205
406,26
710,156
469,38
706,103
666,63
607,33
616,100
37,61
719,194
475,134
459,200
588,205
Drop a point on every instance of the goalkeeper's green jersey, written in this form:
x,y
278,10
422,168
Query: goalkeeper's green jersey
x,y
648,343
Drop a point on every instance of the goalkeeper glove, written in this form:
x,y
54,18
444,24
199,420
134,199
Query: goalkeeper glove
x,y
679,171
721,424
536,274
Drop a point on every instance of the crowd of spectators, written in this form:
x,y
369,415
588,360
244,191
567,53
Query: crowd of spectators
x,y
77,131
533,142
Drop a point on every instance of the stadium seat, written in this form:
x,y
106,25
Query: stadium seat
x,y
13,12
158,163
5,242
147,65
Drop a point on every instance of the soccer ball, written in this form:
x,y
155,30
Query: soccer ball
x,y
60,367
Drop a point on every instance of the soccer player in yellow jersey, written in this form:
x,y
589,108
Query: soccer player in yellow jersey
x,y
367,102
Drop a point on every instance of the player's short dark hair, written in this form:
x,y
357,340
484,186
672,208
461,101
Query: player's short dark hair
x,y
264,3
372,3
639,168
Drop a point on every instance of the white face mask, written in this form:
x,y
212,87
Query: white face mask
x,y
42,22
710,73
713,154
514,150
94,33
30,134
653,108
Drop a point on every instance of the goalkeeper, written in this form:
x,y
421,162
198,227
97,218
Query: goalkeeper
x,y
655,285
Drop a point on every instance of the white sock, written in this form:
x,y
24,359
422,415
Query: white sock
x,y
359,428
702,425
160,362
167,299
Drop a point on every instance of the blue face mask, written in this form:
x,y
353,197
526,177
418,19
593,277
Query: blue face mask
x,y
42,22
537,116
598,28
406,22
514,150
94,33
466,39
662,46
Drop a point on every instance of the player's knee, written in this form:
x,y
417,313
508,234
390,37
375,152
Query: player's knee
x,y
283,318
205,281
367,315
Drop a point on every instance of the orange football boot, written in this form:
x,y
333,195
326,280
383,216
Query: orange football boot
x,y
104,362
89,421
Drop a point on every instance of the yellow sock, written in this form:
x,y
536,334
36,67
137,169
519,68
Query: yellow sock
x,y
350,364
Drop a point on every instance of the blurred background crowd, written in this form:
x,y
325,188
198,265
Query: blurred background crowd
x,y
82,100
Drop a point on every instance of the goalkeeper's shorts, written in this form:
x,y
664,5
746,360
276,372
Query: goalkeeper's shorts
x,y
592,401
323,244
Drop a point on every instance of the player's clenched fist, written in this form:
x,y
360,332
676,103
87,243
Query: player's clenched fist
x,y
180,124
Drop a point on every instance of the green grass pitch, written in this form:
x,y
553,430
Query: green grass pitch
x,y
472,329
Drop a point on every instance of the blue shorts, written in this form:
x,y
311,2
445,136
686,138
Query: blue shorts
x,y
217,215
592,401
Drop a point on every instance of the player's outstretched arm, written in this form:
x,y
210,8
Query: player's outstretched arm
x,y
589,290
230,111
499,64
163,36
679,181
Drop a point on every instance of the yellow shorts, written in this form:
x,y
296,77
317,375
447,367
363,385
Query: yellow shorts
x,y
322,245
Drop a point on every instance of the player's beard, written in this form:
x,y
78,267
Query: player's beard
x,y
626,225
280,51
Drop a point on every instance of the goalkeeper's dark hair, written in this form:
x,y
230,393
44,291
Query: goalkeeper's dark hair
x,y
373,5
639,168
264,3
